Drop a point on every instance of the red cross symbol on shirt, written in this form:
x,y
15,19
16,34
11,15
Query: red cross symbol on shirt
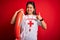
x,y
30,23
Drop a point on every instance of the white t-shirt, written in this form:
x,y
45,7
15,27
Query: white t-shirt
x,y
29,25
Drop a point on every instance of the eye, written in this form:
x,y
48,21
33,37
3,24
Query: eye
x,y
29,7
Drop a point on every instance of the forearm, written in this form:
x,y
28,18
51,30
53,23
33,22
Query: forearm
x,y
43,24
13,18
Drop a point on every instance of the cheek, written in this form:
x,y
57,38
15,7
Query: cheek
x,y
32,10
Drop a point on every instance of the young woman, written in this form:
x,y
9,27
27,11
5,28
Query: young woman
x,y
30,22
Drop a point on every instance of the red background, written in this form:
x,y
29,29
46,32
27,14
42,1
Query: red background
x,y
49,11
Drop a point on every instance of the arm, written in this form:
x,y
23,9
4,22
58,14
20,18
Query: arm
x,y
14,16
43,24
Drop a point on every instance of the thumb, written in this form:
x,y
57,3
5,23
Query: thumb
x,y
39,14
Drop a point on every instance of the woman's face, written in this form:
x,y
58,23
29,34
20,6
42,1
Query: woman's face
x,y
30,9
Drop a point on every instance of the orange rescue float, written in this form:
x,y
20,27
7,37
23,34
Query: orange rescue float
x,y
17,25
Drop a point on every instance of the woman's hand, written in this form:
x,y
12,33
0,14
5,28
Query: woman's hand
x,y
39,16
20,10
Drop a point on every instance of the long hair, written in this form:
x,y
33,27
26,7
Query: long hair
x,y
33,4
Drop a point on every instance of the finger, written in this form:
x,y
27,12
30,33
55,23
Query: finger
x,y
39,13
21,9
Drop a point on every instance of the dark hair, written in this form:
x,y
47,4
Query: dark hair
x,y
32,3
